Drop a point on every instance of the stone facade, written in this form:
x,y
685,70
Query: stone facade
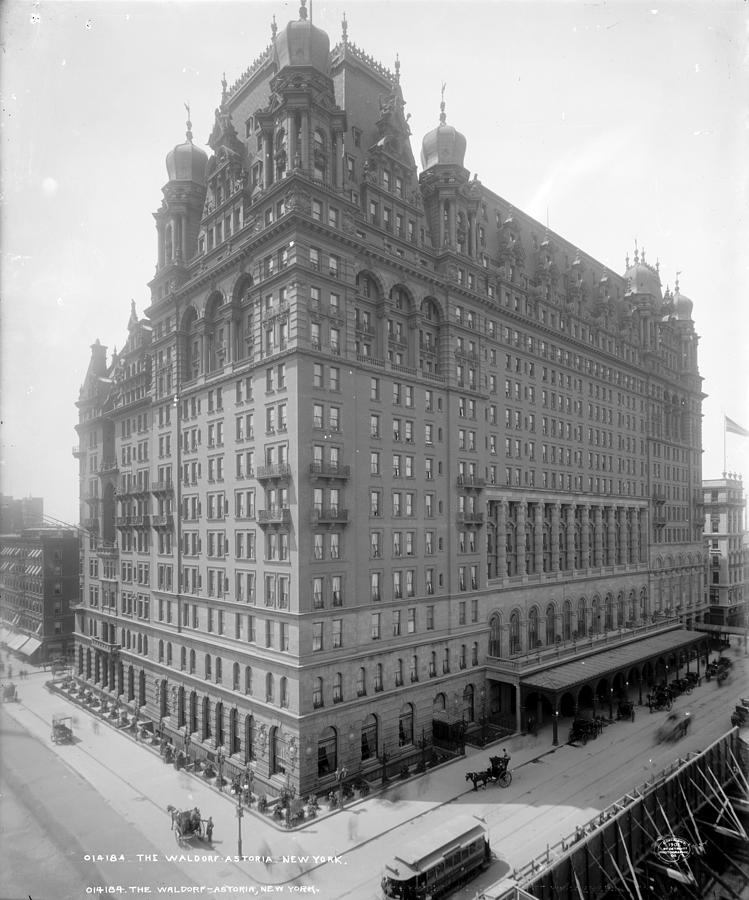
x,y
374,428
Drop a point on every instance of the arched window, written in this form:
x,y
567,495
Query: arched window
x,y
207,666
533,640
582,617
551,625
608,613
219,724
161,651
270,689
248,679
515,646
277,752
595,616
192,662
406,725
219,667
620,609
567,620
235,676
283,688
338,688
361,683
169,653
495,635
206,718
369,738
327,753
183,658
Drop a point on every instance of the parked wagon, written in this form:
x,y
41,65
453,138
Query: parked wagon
x,y
660,699
186,824
624,709
581,730
62,729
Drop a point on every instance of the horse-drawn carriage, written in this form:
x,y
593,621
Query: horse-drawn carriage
x,y
581,730
186,824
497,773
62,729
625,709
660,699
675,727
719,669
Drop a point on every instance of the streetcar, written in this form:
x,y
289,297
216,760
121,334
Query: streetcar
x,y
438,862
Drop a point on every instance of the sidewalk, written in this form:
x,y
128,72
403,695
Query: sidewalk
x,y
128,773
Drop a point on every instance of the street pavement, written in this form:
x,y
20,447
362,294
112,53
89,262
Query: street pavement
x,y
552,792
139,785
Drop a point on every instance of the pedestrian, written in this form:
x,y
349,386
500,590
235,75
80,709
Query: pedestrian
x,y
209,830
632,714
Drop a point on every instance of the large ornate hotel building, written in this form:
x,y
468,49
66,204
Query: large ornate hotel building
x,y
378,438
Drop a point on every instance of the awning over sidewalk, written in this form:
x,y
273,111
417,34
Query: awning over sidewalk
x,y
30,647
566,675
15,642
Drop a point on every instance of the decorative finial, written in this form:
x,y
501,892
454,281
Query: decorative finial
x,y
303,11
344,29
642,255
626,261
273,28
188,133
637,253
676,285
443,117
224,94
658,265
397,69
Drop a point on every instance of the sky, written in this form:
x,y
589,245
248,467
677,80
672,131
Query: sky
x,y
616,122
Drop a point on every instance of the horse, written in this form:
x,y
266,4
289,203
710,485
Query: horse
x,y
185,822
479,778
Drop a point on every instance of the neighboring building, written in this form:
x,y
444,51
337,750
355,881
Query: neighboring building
x,y
378,438
15,515
725,533
39,585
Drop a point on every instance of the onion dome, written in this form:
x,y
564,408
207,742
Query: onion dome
x,y
445,146
187,162
642,278
682,304
301,44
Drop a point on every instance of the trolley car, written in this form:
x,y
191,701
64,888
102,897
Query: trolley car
x,y
438,862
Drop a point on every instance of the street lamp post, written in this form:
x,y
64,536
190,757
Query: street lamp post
x,y
423,748
220,768
483,715
240,813
611,704
340,775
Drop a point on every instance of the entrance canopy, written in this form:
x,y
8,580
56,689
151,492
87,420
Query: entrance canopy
x,y
566,675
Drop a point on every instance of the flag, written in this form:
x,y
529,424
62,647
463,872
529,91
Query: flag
x,y
735,428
